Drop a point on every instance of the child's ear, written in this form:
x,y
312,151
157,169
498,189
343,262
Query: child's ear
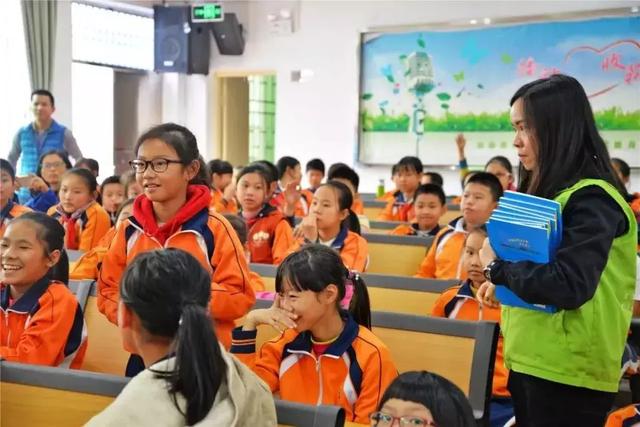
x,y
344,213
331,294
54,257
192,169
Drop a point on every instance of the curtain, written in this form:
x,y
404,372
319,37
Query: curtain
x,y
39,17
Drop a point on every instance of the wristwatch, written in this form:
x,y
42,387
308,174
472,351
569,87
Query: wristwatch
x,y
487,270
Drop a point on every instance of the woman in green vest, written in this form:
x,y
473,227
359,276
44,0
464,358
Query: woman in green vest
x,y
565,367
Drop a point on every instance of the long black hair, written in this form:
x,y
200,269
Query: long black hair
x,y
559,116
184,142
446,402
180,313
314,267
345,200
51,234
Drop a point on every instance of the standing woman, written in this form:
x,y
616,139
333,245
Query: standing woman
x,y
565,367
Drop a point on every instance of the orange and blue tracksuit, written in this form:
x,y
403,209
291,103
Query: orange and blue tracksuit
x,y
388,196
10,211
269,236
413,230
88,265
222,206
628,416
353,372
43,327
302,204
398,209
351,246
358,206
85,228
206,235
444,258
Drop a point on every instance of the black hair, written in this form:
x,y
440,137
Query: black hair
x,y
467,176
184,142
270,168
434,189
114,179
8,168
488,180
86,175
345,172
479,229
260,170
335,166
92,164
60,153
446,402
435,177
285,163
179,313
345,200
314,267
219,167
51,234
623,166
558,116
502,161
315,165
44,92
124,204
394,170
410,163
239,226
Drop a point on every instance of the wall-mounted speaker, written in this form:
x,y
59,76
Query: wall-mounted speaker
x,y
228,35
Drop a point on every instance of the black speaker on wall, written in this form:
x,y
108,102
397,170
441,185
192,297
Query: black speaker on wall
x,y
228,35
181,46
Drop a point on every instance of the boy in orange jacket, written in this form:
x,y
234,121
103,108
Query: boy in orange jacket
x,y
429,207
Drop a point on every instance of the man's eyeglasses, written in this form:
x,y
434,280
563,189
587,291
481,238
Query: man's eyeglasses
x,y
157,165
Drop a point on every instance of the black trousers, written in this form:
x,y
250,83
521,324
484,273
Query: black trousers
x,y
542,403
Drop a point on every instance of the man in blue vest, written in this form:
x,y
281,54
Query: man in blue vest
x,y
44,134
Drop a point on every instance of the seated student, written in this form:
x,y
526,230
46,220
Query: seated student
x,y
112,196
325,354
432,178
240,227
389,195
624,175
499,166
131,187
84,220
331,223
189,378
400,208
87,266
270,234
315,174
174,212
8,185
223,192
429,206
459,302
480,198
422,399
42,320
89,164
288,197
350,178
273,174
45,185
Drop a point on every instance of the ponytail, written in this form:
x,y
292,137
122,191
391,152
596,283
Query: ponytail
x,y
60,271
352,222
359,305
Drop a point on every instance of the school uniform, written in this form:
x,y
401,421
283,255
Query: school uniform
x,y
42,202
83,228
444,258
206,235
302,204
352,372
88,265
398,209
358,206
43,327
627,416
10,211
269,236
221,205
387,197
414,230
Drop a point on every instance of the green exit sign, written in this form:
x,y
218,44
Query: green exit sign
x,y
208,12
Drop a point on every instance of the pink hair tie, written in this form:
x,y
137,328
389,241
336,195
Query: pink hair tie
x,y
349,289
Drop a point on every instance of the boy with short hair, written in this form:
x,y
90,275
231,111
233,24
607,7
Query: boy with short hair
x,y
315,174
429,206
409,171
223,190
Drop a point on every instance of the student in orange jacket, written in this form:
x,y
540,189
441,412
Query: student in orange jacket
x,y
112,196
270,234
42,322
288,197
443,261
409,171
325,355
315,174
460,302
223,192
174,212
331,223
84,220
8,208
429,207
351,179
389,195
240,227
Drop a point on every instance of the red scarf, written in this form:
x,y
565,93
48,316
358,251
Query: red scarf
x,y
198,198
68,221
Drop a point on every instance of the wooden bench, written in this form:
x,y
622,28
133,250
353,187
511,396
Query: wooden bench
x,y
373,209
399,255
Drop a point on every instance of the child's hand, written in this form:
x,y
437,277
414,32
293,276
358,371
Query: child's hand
x,y
487,255
276,316
291,196
229,192
461,142
38,185
308,228
486,295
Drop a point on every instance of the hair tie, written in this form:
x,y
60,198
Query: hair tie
x,y
349,288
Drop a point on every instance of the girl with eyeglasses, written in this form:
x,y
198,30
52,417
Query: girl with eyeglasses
x,y
44,186
174,212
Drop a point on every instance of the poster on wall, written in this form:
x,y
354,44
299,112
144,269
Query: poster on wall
x,y
419,89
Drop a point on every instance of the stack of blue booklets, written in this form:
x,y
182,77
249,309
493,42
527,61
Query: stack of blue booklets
x,y
524,228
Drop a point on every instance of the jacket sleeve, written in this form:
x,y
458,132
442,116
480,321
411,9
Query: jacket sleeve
x,y
591,220
427,269
282,241
265,364
113,265
387,212
98,223
355,255
378,373
438,306
231,292
44,339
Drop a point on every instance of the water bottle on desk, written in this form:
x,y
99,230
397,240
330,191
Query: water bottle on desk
x,y
380,191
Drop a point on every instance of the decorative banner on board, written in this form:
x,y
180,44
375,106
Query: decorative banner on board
x,y
419,89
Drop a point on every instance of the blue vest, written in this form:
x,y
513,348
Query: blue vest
x,y
53,140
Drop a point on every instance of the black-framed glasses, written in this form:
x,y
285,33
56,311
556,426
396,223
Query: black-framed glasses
x,y
157,165
380,419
